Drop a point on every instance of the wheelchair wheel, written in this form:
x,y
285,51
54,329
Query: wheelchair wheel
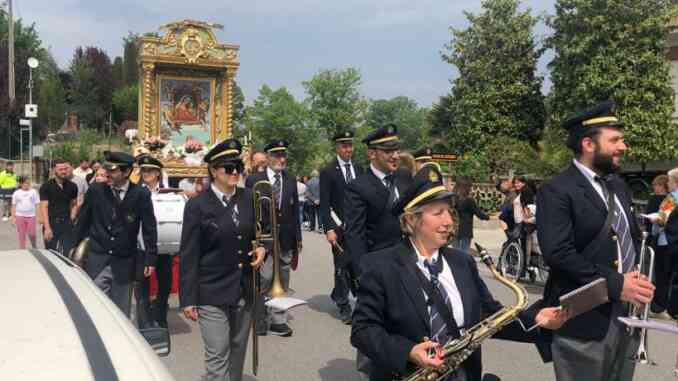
x,y
511,261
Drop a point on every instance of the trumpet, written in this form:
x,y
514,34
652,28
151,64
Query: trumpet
x,y
78,254
646,267
265,212
265,216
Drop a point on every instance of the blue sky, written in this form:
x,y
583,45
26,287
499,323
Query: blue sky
x,y
394,43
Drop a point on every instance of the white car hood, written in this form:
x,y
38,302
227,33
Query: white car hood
x,y
55,324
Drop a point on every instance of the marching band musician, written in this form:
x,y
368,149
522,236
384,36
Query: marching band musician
x,y
368,200
424,157
216,264
151,179
421,288
333,180
111,217
587,230
284,188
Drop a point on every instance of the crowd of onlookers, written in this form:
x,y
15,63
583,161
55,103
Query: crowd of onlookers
x,y
58,200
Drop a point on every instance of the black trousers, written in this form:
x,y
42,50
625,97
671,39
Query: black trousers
x,y
665,268
163,271
312,212
62,229
344,277
147,312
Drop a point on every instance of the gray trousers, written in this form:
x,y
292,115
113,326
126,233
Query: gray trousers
x,y
119,292
276,316
225,332
605,360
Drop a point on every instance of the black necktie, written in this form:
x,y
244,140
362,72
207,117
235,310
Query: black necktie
x,y
619,225
117,192
349,174
276,189
390,185
439,332
234,211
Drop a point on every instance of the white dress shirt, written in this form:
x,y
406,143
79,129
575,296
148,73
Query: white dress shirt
x,y
447,280
220,195
342,165
590,176
381,175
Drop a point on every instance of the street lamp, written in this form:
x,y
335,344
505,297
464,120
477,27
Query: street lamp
x,y
31,112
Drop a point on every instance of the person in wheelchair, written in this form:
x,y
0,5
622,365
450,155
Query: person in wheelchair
x,y
521,244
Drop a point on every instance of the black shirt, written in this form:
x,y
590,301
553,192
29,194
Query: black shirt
x,y
59,199
466,209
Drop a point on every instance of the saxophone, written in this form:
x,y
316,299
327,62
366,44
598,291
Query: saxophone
x,y
457,351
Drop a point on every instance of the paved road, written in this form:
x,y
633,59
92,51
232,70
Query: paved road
x,y
319,349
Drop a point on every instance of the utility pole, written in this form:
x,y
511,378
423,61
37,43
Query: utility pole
x,y
10,77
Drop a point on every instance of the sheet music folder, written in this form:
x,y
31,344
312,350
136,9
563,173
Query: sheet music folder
x,y
585,298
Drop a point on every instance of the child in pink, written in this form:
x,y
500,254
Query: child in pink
x,y
25,202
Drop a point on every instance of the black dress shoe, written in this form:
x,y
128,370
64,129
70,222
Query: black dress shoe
x,y
283,330
345,315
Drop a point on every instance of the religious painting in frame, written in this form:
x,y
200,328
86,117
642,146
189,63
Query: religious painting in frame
x,y
186,81
186,108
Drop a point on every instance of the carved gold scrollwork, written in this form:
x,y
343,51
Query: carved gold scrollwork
x,y
149,93
227,94
231,54
192,46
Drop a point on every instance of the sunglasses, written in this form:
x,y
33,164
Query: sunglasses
x,y
232,168
279,154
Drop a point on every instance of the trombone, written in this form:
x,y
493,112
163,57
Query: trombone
x,y
646,267
266,234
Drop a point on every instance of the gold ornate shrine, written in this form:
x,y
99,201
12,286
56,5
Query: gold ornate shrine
x,y
185,95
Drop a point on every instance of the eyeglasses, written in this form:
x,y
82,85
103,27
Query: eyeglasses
x,y
231,168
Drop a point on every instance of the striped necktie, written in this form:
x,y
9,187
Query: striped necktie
x,y
235,215
439,332
277,186
620,226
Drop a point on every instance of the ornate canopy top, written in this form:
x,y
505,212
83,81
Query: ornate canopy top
x,y
189,42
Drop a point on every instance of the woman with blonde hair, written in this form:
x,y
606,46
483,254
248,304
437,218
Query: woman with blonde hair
x,y
422,288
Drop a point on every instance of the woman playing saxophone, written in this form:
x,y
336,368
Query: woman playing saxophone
x,y
418,295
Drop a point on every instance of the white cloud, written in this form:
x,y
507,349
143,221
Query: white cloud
x,y
394,42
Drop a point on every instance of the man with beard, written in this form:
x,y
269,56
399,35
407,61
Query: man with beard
x,y
333,180
58,206
368,203
588,231
111,217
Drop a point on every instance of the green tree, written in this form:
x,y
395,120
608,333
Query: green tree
x,y
334,99
130,72
442,128
615,49
404,112
126,104
83,90
118,68
27,44
51,96
274,115
498,92
238,105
